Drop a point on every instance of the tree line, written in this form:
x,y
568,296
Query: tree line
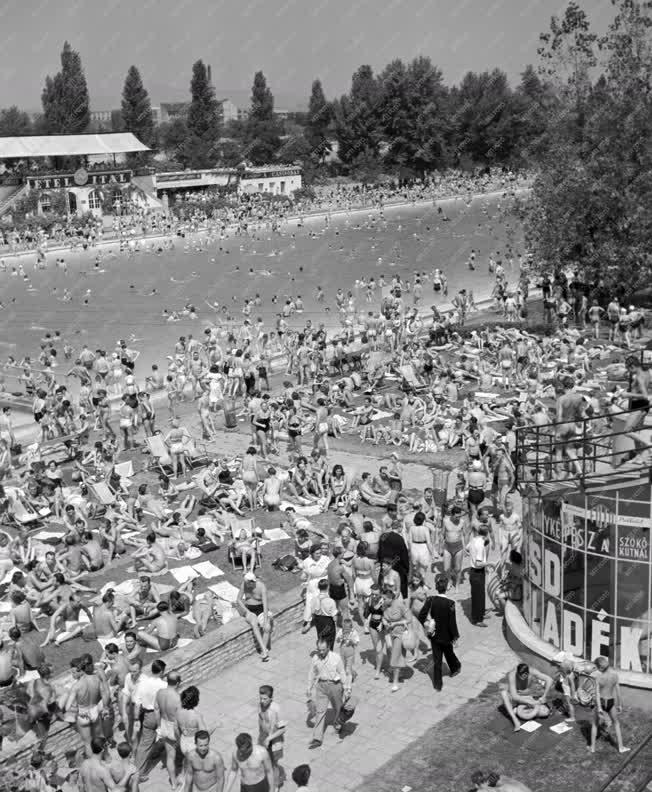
x,y
404,120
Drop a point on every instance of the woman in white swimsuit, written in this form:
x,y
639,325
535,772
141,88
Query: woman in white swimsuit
x,y
189,720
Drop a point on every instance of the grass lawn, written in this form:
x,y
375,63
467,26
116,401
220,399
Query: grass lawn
x,y
479,737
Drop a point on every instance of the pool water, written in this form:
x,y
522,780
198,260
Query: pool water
x,y
118,303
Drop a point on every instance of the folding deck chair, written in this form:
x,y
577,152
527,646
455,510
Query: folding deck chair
x,y
21,510
236,527
410,379
102,492
161,458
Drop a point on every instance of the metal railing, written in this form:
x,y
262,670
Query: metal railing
x,y
584,452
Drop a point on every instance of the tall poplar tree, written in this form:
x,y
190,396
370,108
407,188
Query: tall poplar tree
x,y
261,131
203,120
319,118
136,111
65,96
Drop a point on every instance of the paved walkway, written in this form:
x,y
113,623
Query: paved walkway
x,y
384,724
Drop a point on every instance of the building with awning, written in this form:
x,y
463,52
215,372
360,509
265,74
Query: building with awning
x,y
40,146
42,164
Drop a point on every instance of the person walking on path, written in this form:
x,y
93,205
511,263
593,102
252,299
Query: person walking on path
x,y
253,764
205,767
477,549
168,703
146,716
440,624
328,685
393,554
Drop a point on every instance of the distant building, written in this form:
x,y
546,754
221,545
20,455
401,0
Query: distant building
x,y
86,189
169,111
274,179
101,116
229,111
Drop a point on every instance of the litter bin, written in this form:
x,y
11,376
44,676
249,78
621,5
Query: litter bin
x,y
230,416
440,486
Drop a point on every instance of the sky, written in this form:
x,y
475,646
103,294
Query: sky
x,y
292,41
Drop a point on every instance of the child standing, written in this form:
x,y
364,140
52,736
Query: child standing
x,y
606,697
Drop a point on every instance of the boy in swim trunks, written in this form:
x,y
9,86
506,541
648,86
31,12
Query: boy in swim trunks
x,y
606,696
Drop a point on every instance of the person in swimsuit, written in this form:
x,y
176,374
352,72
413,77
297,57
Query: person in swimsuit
x,y
176,440
488,781
67,612
150,557
340,583
570,412
91,695
249,474
606,696
254,766
454,539
477,480
94,775
252,606
204,767
261,424
123,771
524,696
271,729
188,720
639,396
363,570
163,633
420,544
168,704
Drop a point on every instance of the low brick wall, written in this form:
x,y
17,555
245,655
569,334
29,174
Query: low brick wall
x,y
197,662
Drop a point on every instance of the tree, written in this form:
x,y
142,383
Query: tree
x,y
203,121
534,101
65,96
172,139
589,206
483,123
261,128
318,122
231,153
568,56
357,119
414,116
136,112
117,124
14,122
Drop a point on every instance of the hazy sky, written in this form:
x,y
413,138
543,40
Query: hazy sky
x,y
292,41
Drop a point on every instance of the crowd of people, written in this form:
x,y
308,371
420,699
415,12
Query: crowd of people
x,y
243,210
377,561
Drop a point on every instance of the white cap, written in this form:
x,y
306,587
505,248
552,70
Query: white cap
x,y
250,576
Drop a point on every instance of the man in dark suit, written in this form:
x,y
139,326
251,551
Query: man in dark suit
x,y
393,553
441,609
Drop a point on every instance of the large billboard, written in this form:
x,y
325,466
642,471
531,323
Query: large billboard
x,y
587,586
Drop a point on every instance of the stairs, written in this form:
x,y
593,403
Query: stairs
x,y
146,184
10,194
